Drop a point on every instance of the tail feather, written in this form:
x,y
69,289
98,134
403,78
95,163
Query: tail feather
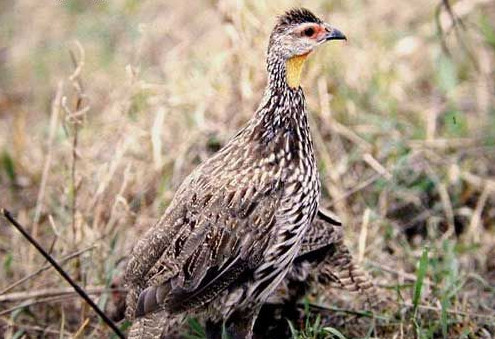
x,y
149,326
342,272
155,326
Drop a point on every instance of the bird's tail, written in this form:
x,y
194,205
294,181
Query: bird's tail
x,y
149,326
342,272
155,326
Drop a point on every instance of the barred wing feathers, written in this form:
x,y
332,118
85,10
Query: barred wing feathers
x,y
215,230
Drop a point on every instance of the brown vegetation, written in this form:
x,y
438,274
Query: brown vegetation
x,y
403,118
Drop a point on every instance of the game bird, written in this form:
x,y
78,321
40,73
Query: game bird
x,y
237,222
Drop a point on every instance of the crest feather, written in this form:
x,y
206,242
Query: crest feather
x,y
297,16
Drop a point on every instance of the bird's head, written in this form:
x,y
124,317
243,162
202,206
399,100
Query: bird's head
x,y
297,33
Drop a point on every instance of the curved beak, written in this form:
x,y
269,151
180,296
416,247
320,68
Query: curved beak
x,y
333,34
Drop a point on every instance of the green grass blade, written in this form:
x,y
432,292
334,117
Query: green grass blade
x,y
334,332
420,276
293,331
8,164
197,331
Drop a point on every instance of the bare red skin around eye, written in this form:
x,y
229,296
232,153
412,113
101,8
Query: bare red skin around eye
x,y
319,31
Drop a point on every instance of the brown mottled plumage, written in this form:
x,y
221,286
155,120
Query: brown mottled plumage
x,y
323,264
237,222
324,261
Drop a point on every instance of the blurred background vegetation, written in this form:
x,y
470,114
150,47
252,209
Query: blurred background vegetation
x,y
106,105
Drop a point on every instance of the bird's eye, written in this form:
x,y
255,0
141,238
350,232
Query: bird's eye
x,y
309,31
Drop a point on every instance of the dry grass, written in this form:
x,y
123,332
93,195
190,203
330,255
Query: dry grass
x,y
90,156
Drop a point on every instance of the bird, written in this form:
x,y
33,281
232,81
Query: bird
x,y
236,223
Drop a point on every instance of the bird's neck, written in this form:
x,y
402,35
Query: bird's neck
x,y
283,89
285,74
282,112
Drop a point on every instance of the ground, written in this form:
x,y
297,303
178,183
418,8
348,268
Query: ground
x,y
105,106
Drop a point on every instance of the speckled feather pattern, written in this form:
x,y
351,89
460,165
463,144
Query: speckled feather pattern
x,y
235,225
253,200
324,262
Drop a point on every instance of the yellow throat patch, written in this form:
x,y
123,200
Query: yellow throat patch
x,y
294,68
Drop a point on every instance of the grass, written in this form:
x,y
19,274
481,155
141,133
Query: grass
x,y
402,118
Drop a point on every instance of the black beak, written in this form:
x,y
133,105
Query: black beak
x,y
334,34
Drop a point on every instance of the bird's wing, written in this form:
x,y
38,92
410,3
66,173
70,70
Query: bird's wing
x,y
215,230
324,262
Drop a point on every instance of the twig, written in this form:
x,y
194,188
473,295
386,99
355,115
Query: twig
x,y
446,201
350,135
30,328
29,303
112,169
81,329
62,322
118,199
478,182
367,314
367,182
44,268
455,20
156,140
363,234
447,208
398,272
46,168
453,14
370,160
74,117
73,180
440,143
450,311
474,225
356,189
53,292
60,270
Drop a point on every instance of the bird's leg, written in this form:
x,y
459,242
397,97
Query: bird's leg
x,y
213,329
240,324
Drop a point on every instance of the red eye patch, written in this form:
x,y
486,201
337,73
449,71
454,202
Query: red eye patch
x,y
311,30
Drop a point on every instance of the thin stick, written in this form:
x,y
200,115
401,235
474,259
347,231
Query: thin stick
x,y
54,292
450,311
356,189
81,329
59,269
10,323
73,179
474,226
44,268
363,234
398,272
75,116
332,309
28,303
371,314
48,160
370,160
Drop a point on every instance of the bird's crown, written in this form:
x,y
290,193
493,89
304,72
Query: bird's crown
x,y
297,16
